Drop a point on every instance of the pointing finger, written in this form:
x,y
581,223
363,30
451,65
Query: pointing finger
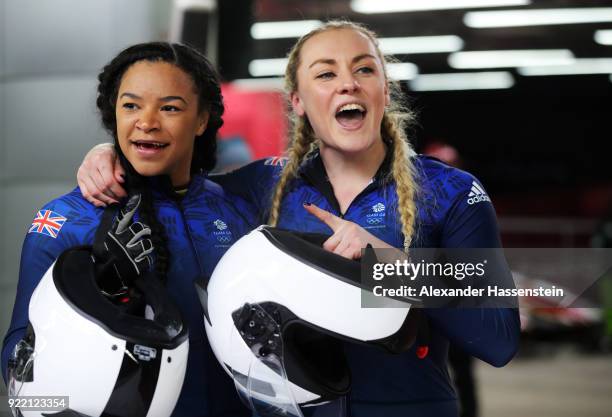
x,y
333,221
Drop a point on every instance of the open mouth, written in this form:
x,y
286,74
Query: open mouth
x,y
351,115
148,145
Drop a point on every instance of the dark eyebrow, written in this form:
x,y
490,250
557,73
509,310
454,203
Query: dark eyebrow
x,y
172,98
164,99
363,56
331,61
130,95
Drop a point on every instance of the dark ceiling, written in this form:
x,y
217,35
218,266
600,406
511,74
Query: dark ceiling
x,y
576,37
544,133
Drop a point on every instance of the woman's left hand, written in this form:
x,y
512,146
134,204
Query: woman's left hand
x,y
349,238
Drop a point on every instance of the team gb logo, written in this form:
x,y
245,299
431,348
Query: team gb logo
x,y
223,234
220,224
377,208
377,217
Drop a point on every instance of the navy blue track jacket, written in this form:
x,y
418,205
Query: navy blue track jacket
x,y
453,211
199,228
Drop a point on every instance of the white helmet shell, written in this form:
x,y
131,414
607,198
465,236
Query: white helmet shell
x,y
106,361
313,299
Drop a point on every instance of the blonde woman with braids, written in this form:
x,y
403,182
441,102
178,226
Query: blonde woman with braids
x,y
351,172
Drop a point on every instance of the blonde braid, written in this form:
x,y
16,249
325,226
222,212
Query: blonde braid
x,y
299,148
303,137
403,174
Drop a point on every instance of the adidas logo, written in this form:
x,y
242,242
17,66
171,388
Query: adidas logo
x,y
477,194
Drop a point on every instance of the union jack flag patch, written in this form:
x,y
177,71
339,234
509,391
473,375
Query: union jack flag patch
x,y
276,161
48,223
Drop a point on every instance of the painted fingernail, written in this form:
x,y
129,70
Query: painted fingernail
x,y
307,203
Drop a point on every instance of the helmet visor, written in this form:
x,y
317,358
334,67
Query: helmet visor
x,y
20,369
265,388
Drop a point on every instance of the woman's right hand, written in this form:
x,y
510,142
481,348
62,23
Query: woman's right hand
x,y
100,176
349,238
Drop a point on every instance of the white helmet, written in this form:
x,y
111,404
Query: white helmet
x,y
277,309
106,358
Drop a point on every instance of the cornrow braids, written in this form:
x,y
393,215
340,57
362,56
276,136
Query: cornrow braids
x,y
195,65
208,89
300,147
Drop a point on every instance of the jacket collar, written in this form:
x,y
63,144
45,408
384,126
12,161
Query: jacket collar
x,y
161,186
313,171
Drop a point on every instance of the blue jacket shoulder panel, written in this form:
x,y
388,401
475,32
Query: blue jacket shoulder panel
x,y
465,218
241,206
254,182
210,194
62,223
456,204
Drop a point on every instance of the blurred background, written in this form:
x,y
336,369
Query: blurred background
x,y
518,92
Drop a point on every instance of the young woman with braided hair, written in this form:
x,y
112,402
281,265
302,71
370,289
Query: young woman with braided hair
x,y
392,132
350,166
162,104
